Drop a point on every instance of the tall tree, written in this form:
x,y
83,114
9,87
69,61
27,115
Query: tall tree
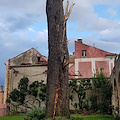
x,y
57,76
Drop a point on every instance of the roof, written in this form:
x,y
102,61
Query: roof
x,y
28,58
71,58
102,52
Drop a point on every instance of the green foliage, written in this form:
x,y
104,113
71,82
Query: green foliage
x,y
93,100
33,88
100,97
102,90
23,85
38,89
117,118
79,88
19,96
64,118
35,114
42,92
12,118
76,118
14,95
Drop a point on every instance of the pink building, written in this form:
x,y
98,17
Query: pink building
x,y
88,60
1,95
3,107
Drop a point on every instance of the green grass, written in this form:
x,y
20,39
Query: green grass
x,y
92,117
95,117
12,118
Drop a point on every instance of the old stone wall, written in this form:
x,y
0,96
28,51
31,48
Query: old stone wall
x,y
115,80
34,73
3,110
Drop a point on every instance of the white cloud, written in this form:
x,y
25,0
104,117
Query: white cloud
x,y
2,24
17,18
111,34
42,36
31,29
112,12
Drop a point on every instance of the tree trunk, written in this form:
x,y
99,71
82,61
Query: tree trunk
x,y
57,76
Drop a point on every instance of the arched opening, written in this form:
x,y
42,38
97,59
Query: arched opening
x,y
115,94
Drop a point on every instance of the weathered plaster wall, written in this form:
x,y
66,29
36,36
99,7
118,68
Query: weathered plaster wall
x,y
104,65
28,57
1,95
3,110
85,69
25,64
34,73
94,64
115,80
91,52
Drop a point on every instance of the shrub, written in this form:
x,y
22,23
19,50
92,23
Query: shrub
x,y
35,114
63,118
117,118
94,106
103,91
75,118
57,118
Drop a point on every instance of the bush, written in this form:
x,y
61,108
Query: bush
x,y
75,118
63,118
57,118
117,118
93,100
35,114
102,92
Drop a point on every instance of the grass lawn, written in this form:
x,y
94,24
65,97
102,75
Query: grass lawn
x,y
12,118
96,117
92,117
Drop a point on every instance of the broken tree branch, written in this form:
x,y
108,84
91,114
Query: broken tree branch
x,y
66,16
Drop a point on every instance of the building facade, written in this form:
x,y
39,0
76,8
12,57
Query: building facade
x,y
88,60
84,63
29,64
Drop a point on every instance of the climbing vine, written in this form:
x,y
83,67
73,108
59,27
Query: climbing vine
x,y
93,95
36,91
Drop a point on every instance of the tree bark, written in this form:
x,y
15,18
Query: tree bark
x,y
57,102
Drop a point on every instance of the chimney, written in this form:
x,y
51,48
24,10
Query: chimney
x,y
79,40
1,88
73,53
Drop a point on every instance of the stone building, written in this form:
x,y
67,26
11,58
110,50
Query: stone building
x,y
84,63
115,80
30,64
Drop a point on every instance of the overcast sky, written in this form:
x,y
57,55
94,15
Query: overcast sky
x,y
23,25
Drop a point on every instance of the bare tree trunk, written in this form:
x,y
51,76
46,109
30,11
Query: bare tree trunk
x,y
57,76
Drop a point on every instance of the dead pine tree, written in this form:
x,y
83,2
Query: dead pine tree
x,y
57,103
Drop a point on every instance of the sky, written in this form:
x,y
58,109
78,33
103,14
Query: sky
x,y
23,25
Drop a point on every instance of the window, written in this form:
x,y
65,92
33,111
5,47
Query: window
x,y
38,58
83,53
